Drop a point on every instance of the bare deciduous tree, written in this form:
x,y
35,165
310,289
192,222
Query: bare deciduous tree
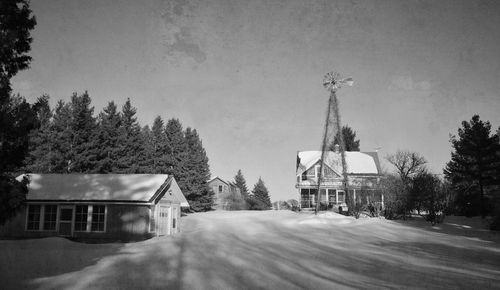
x,y
407,163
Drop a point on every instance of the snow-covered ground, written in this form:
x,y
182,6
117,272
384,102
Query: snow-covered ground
x,y
267,250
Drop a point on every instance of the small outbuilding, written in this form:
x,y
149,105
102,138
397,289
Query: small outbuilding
x,y
98,207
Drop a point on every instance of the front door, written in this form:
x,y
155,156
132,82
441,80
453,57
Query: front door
x,y
163,220
66,221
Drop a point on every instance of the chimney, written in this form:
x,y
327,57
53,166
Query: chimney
x,y
337,148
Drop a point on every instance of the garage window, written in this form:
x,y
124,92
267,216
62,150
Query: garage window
x,y
34,213
98,217
50,217
81,216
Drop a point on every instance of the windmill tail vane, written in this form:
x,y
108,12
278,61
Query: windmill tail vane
x,y
348,81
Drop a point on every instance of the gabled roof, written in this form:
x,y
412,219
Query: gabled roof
x,y
171,192
223,180
357,162
101,187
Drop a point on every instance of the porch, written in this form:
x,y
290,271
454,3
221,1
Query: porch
x,y
330,197
335,198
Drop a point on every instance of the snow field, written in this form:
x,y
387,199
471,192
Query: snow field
x,y
267,250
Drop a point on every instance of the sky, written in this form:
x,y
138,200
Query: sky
x,y
248,74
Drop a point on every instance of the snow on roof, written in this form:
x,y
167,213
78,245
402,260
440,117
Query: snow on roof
x,y
119,187
357,162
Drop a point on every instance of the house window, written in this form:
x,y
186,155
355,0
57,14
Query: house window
x,y
33,217
220,188
50,217
81,215
98,214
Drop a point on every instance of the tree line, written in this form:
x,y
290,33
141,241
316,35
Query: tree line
x,y
471,183
70,139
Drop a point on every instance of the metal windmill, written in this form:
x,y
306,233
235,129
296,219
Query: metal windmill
x,y
332,82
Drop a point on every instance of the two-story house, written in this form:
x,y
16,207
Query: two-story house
x,y
361,182
223,189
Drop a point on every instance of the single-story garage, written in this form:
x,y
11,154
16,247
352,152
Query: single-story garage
x,y
98,206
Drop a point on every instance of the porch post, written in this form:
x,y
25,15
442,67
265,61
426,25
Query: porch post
x,y
354,194
336,196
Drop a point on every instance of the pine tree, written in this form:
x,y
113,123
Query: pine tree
x,y
60,160
146,157
349,138
41,154
196,172
107,139
83,125
160,147
474,164
240,182
130,145
260,199
177,150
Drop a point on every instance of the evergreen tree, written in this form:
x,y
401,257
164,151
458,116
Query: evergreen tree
x,y
130,145
196,172
17,117
240,182
41,154
177,150
474,164
159,147
260,199
146,158
349,136
83,125
61,143
107,139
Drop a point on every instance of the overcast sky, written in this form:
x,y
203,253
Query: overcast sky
x,y
247,74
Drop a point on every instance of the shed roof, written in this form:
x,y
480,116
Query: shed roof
x,y
98,187
356,162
